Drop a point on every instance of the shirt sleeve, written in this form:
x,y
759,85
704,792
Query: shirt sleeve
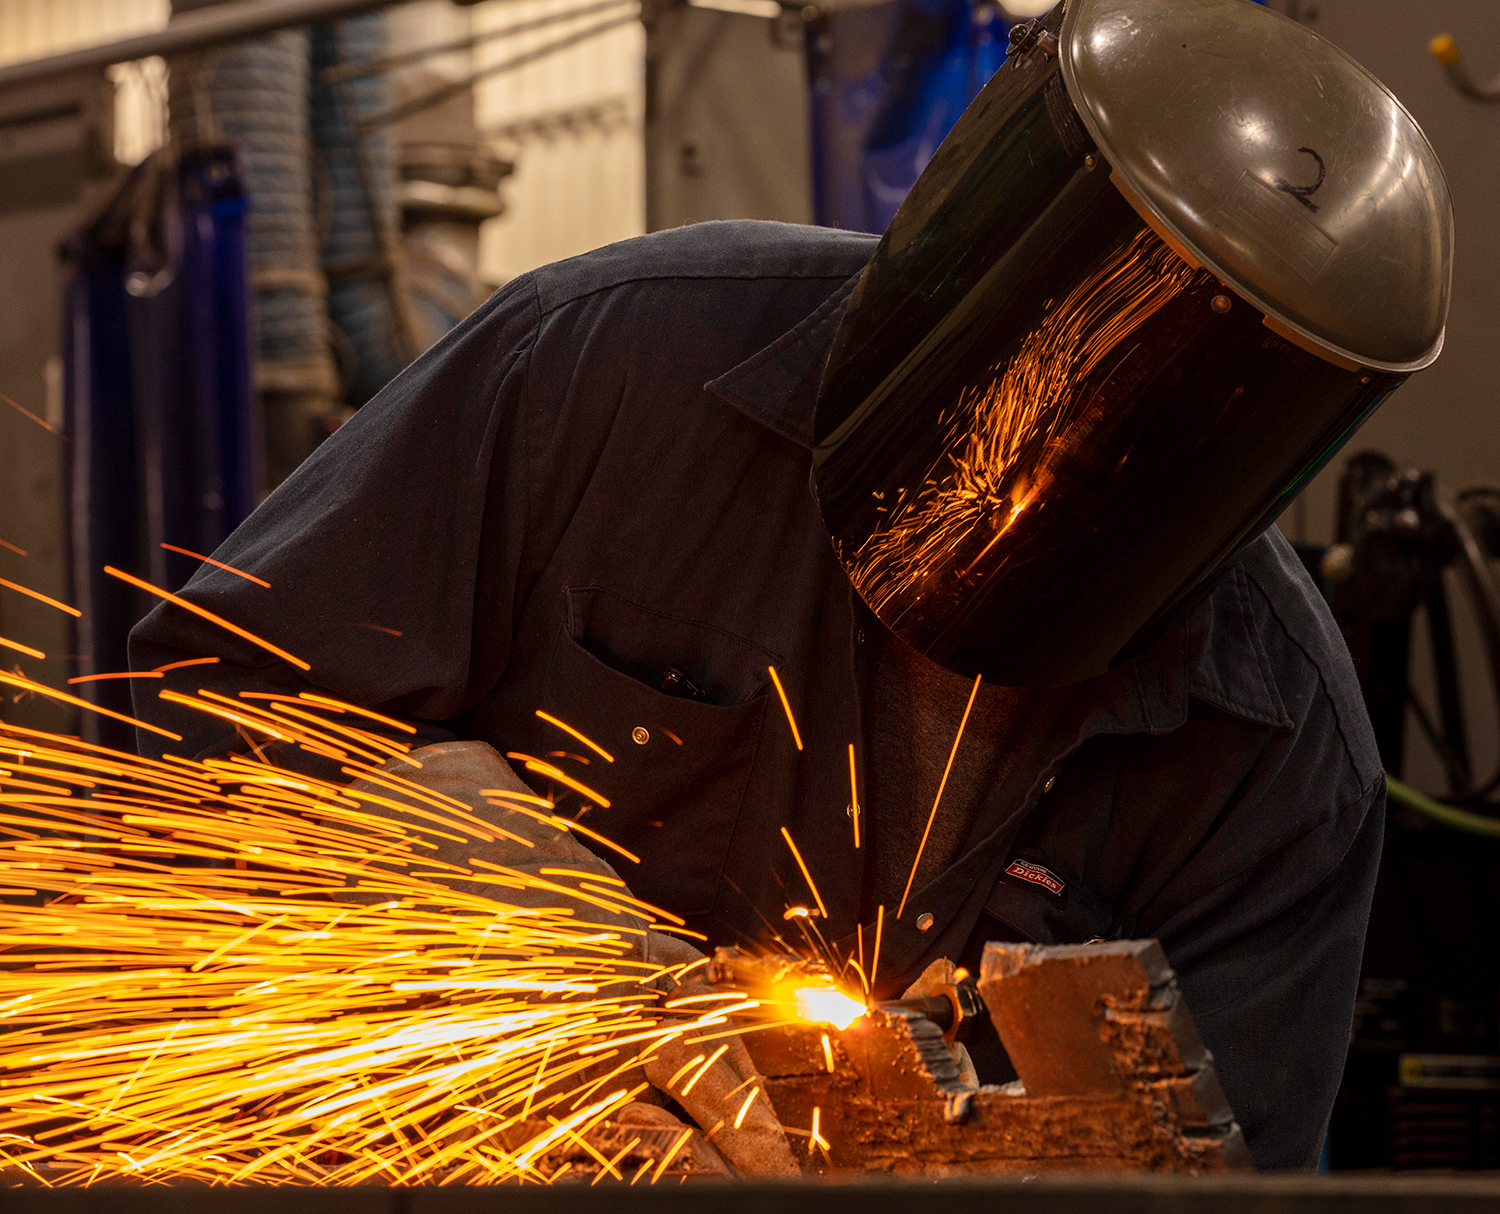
x,y
1275,1006
375,558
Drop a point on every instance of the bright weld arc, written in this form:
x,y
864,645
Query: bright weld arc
x,y
786,706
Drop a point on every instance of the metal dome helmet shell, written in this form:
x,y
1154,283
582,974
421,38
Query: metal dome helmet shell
x,y
1276,161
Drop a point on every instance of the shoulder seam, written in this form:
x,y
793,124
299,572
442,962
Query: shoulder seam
x,y
1322,683
544,313
525,352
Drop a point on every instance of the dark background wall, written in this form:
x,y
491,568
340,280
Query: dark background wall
x,y
1446,418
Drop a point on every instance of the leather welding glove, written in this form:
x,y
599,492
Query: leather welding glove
x,y
940,973
757,1147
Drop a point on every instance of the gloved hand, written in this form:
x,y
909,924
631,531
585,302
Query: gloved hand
x,y
940,973
461,770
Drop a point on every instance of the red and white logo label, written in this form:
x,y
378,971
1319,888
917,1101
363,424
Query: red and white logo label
x,y
1024,870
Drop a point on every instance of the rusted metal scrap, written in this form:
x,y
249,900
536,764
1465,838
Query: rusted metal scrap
x,y
1113,1076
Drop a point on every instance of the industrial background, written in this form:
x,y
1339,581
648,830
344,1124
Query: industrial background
x,y
360,192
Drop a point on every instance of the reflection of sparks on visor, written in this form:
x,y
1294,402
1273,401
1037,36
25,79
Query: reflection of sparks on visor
x,y
1007,433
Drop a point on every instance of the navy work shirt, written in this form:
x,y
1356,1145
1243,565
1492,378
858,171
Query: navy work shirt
x,y
604,473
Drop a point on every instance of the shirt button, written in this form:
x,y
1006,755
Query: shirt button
x,y
924,921
640,735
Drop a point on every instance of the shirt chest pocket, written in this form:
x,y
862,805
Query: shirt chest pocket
x,y
1035,901
679,769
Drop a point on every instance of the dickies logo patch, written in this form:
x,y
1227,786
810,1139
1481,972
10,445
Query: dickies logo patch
x,y
1025,870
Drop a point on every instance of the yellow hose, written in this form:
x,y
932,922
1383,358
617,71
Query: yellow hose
x,y
1445,815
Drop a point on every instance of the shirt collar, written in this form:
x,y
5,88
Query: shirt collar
x,y
778,387
1211,652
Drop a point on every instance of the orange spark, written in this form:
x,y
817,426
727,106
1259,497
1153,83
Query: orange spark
x,y
828,1053
208,560
707,1066
395,632
13,548
671,1154
875,960
797,856
341,706
204,613
570,824
186,662
25,684
853,796
568,729
786,706
26,649
41,598
547,769
686,1066
739,1118
22,409
118,674
943,783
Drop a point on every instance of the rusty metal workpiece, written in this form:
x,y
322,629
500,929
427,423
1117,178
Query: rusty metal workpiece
x,y
1113,1076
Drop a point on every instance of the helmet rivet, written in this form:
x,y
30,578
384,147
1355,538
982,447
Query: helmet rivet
x,y
1221,304
640,735
1090,161
924,921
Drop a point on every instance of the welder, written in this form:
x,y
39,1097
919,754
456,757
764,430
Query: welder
x,y
1167,262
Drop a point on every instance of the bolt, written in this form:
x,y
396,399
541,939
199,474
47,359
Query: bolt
x,y
1221,304
640,735
924,921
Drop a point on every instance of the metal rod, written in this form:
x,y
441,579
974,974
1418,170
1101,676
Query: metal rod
x,y
428,100
379,67
195,30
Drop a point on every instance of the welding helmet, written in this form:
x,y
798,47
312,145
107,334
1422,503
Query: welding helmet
x,y
1171,257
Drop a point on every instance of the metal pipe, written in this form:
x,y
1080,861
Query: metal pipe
x,y
439,95
379,67
191,31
